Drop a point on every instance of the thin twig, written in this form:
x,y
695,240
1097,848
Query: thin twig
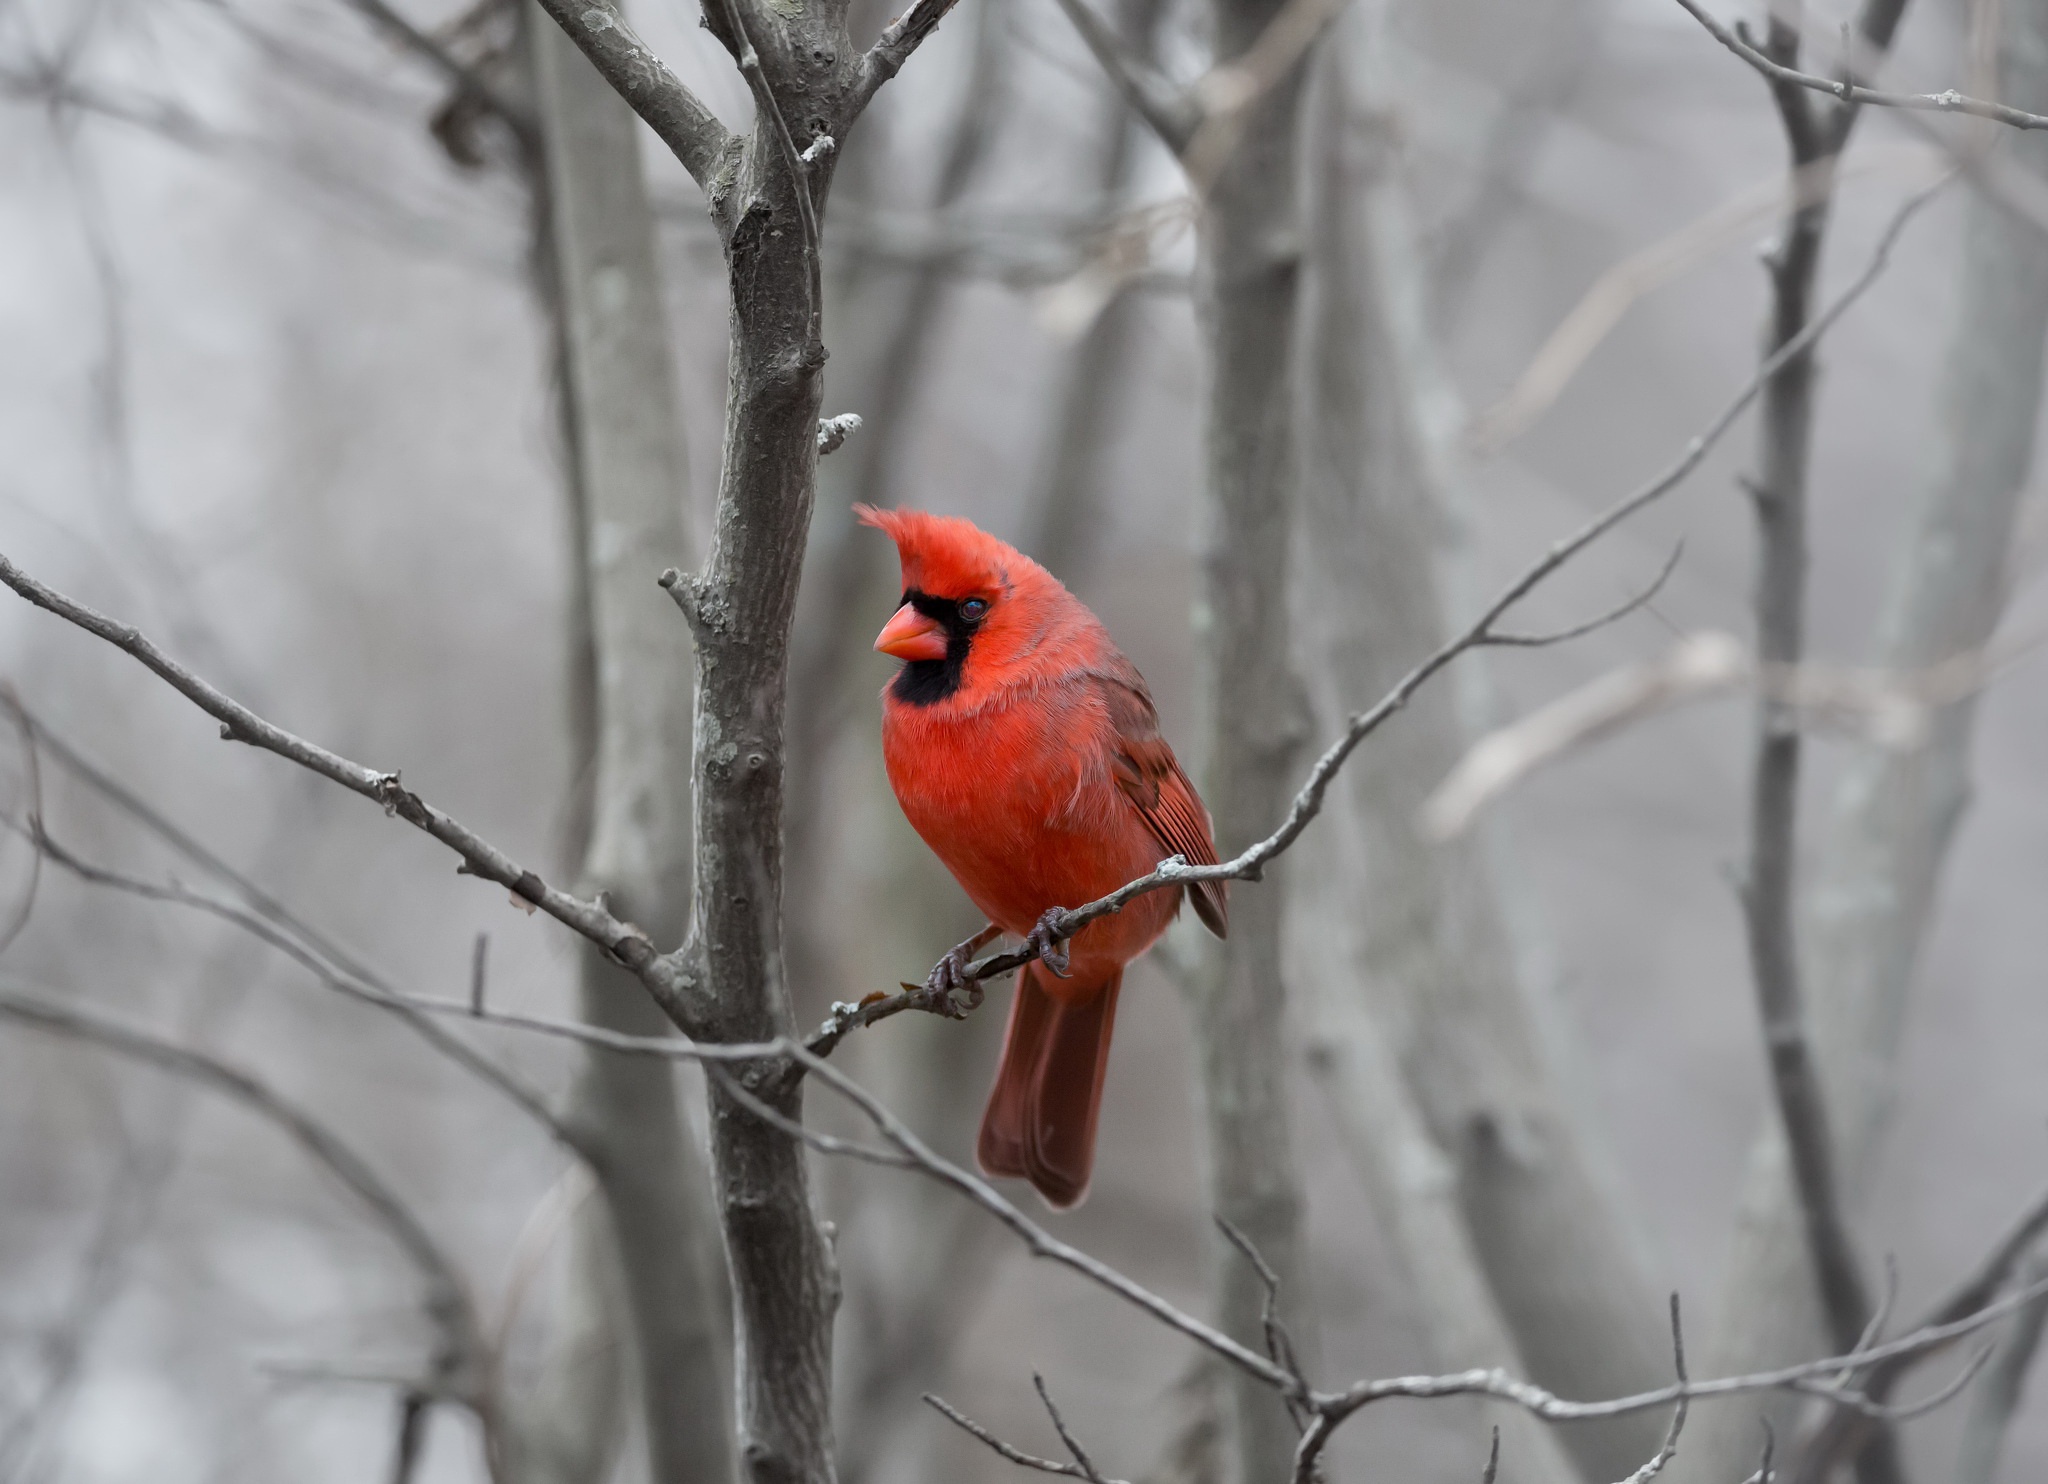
x,y
1059,1425
1002,1449
1846,90
1592,625
239,724
354,982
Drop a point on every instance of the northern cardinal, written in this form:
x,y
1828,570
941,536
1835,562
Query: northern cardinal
x,y
1025,749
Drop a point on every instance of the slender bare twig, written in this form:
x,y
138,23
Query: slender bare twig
x,y
1839,1436
1492,1469
1481,633
1059,1425
1002,1449
356,984
1278,1343
1613,615
1848,91
479,857
1669,1450
1996,1399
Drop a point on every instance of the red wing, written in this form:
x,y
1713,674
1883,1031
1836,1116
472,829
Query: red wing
x,y
1151,778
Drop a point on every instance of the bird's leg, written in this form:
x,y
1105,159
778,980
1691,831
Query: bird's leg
x,y
1045,938
949,975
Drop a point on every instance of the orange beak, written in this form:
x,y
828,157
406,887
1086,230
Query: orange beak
x,y
910,635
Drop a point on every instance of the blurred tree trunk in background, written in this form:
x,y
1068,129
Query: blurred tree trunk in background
x,y
1895,812
1246,307
625,472
1438,980
1065,523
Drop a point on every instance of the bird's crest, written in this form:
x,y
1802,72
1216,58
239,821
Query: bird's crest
x,y
945,556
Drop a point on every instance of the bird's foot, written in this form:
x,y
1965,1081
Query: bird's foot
x,y
953,994
1046,940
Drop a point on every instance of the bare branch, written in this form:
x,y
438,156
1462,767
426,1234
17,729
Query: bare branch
x,y
893,47
1003,1450
479,857
1996,1401
1059,1425
1841,1435
1851,93
704,145
1592,625
352,983
1172,111
1665,1454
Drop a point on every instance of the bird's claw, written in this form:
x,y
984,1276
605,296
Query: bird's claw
x,y
1046,941
952,992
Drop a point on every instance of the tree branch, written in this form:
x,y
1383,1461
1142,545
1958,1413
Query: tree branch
x,y
690,130
893,47
479,857
1171,110
1849,92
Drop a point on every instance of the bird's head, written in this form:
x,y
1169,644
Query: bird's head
x,y
964,592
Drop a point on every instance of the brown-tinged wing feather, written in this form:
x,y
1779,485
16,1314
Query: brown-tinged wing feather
x,y
1151,778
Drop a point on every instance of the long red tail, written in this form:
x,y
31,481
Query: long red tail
x,y
1040,1121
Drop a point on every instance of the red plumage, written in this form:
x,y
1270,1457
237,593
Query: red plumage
x,y
1025,749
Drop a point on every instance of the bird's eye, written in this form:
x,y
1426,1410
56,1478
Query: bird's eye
x,y
974,609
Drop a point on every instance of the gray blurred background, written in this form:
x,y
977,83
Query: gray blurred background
x,y
273,386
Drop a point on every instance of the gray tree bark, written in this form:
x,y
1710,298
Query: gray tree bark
x,y
1439,979
626,474
1247,305
1895,814
1069,487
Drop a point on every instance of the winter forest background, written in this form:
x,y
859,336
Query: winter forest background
x,y
278,387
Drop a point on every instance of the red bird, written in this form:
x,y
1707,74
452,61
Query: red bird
x,y
1025,749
